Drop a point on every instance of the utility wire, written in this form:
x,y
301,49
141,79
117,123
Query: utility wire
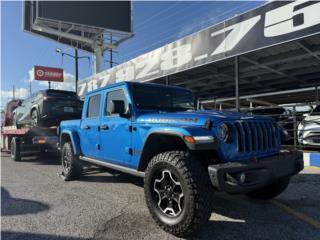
x,y
155,15
172,37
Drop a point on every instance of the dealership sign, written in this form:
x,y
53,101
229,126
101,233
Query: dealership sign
x,y
48,74
272,24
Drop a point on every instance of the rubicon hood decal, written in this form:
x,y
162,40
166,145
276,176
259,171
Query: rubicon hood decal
x,y
169,120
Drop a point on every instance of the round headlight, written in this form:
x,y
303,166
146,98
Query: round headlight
x,y
224,133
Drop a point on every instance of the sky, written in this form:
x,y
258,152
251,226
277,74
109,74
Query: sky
x,y
154,23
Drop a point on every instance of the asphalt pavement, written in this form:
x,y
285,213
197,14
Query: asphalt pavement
x,y
37,204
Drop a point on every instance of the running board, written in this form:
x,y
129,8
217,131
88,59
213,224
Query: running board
x,y
112,166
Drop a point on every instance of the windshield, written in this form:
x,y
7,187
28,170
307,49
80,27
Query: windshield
x,y
162,99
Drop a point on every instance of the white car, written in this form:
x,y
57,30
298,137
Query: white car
x,y
309,129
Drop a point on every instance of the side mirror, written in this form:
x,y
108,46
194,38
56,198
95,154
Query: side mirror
x,y
118,107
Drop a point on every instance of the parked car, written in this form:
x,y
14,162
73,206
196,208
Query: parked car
x,y
282,116
309,128
48,108
9,111
184,154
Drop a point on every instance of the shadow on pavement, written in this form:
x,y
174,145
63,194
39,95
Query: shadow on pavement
x,y
17,206
112,177
234,217
46,159
34,236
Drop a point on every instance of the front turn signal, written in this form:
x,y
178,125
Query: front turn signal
x,y
189,139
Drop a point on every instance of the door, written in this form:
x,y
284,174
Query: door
x,y
90,137
115,134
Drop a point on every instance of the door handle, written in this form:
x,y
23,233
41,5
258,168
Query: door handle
x,y
86,127
104,127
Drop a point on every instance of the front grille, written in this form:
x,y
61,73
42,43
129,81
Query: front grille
x,y
256,136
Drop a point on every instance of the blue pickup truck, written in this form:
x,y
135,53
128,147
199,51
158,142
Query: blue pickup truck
x,y
184,154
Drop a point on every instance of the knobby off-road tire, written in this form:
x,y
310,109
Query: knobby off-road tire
x,y
15,149
270,191
190,179
70,162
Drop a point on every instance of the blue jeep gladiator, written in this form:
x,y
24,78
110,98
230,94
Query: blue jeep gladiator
x,y
183,153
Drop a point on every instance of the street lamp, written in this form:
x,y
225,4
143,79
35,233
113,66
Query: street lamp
x,y
76,58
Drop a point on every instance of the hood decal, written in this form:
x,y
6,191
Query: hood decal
x,y
169,120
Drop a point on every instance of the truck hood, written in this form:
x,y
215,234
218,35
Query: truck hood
x,y
195,117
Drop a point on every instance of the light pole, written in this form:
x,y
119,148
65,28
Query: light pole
x,y
76,59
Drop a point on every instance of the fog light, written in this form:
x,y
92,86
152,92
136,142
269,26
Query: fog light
x,y
242,178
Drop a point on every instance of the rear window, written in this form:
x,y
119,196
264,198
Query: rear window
x,y
268,111
61,94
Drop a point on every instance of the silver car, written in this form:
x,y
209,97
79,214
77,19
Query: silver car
x,y
309,129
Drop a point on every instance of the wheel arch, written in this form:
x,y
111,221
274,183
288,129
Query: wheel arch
x,y
34,107
160,141
70,136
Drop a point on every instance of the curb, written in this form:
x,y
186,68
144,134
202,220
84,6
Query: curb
x,y
311,159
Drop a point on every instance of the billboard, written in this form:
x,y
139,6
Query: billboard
x,y
51,74
271,24
78,23
113,15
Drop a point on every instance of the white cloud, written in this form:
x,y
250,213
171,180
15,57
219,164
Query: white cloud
x,y
7,95
68,83
19,93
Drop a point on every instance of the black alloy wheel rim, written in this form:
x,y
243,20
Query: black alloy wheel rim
x,y
66,161
168,193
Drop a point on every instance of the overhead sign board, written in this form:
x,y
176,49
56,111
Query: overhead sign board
x,y
114,15
48,74
272,24
79,23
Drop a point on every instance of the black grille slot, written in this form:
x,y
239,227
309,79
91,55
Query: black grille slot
x,y
255,136
240,137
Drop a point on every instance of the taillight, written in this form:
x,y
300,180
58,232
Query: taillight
x,y
47,98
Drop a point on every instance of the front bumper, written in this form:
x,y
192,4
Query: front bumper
x,y
237,177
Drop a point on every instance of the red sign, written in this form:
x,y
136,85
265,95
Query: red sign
x,y
48,74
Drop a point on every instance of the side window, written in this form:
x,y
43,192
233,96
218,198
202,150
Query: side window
x,y
111,96
93,106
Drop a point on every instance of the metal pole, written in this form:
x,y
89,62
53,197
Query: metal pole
x,y
98,60
295,125
237,83
76,68
111,52
317,95
13,92
49,84
30,87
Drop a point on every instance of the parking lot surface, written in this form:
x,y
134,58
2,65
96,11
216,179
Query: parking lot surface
x,y
37,204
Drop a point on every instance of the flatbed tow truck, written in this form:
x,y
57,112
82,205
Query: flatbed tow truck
x,y
28,141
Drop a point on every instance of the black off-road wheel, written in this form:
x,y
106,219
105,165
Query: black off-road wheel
x,y
178,192
70,162
270,191
15,149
